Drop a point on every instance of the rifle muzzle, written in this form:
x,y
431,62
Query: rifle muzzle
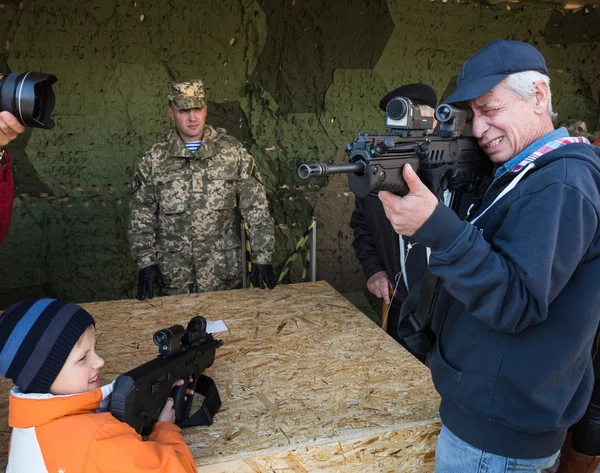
x,y
323,169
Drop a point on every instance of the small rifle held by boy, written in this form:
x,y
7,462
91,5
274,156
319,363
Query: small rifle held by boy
x,y
140,394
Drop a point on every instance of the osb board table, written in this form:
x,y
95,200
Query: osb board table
x,y
308,383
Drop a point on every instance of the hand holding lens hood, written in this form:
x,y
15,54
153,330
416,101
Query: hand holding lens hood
x,y
29,97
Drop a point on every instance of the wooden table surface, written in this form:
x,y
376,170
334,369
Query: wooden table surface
x,y
308,382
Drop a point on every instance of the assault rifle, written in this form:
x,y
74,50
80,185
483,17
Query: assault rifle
x,y
140,394
449,163
445,159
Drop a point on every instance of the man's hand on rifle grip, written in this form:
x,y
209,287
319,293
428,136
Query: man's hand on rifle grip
x,y
407,214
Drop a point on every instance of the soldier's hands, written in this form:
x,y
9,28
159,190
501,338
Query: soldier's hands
x,y
147,277
261,274
408,213
379,285
9,128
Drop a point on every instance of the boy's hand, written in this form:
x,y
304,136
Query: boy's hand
x,y
168,412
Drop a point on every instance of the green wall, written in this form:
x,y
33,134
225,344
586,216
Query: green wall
x,y
293,80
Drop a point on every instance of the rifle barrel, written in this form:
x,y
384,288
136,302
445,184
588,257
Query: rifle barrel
x,y
322,169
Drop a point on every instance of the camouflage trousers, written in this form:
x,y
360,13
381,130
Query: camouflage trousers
x,y
185,274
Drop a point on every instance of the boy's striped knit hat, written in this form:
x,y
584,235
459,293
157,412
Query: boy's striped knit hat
x,y
36,338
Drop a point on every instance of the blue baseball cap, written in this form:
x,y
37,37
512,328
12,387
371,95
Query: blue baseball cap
x,y
492,64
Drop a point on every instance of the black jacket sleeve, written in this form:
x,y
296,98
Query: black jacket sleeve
x,y
364,243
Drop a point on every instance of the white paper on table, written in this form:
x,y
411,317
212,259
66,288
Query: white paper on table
x,y
214,327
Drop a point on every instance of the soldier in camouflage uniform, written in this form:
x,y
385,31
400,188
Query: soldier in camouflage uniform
x,y
184,225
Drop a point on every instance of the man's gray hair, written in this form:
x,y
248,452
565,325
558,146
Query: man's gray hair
x,y
522,83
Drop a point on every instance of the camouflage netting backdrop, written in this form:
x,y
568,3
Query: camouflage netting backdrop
x,y
293,80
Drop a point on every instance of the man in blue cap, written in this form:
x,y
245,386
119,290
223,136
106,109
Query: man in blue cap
x,y
517,315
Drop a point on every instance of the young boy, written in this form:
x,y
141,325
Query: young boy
x,y
56,410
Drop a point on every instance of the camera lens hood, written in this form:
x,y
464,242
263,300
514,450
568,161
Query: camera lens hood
x,y
29,97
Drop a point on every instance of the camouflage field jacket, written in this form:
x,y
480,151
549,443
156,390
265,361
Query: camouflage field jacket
x,y
184,208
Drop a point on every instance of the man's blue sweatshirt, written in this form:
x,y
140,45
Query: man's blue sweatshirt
x,y
520,306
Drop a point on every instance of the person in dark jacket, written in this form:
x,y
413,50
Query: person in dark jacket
x,y
9,130
377,246
519,309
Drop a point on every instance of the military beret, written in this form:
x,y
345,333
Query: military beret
x,y
416,92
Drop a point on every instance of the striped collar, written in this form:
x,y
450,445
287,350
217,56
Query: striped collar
x,y
527,165
515,160
552,145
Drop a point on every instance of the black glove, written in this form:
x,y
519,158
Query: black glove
x,y
262,274
148,276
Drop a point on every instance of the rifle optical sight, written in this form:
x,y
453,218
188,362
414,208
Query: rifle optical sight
x,y
396,108
168,340
453,119
443,113
404,114
29,97
197,324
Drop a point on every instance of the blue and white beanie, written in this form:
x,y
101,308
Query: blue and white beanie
x,y
36,338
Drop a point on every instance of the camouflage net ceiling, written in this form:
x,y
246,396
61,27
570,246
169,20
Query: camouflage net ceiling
x,y
293,80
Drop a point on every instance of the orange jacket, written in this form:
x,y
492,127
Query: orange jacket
x,y
70,434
